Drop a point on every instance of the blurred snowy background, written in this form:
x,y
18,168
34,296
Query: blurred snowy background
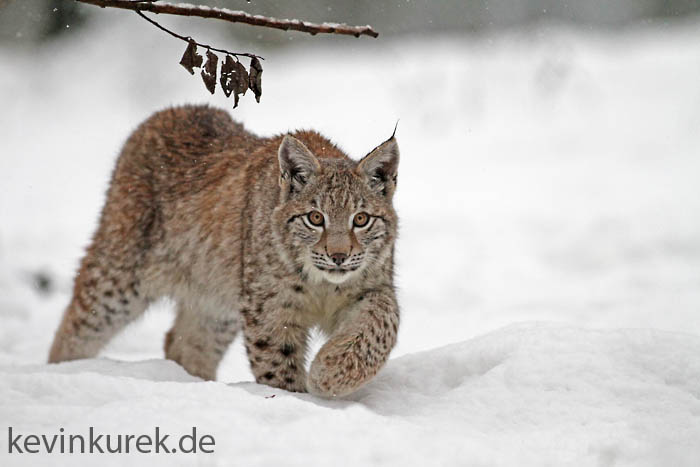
x,y
550,172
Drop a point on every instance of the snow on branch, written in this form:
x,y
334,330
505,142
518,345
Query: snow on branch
x,y
232,16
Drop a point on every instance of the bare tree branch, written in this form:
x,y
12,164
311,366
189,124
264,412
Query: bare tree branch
x,y
234,17
233,77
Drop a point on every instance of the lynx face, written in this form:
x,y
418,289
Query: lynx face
x,y
336,219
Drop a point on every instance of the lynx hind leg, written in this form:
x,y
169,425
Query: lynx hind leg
x,y
199,338
105,300
108,292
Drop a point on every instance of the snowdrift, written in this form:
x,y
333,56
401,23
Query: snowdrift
x,y
529,394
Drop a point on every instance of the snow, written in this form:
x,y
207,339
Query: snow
x,y
547,177
529,394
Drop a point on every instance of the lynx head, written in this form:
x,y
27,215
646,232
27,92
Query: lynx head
x,y
335,217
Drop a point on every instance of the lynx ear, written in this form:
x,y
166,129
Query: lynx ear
x,y
381,167
297,164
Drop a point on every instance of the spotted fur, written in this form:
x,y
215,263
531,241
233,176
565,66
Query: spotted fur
x,y
216,218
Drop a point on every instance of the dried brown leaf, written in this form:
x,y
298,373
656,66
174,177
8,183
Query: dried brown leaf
x,y
255,78
240,82
226,76
240,78
191,59
209,71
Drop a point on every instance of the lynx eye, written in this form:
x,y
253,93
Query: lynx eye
x,y
316,218
360,219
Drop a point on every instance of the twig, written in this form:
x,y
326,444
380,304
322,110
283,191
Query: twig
x,y
235,17
189,39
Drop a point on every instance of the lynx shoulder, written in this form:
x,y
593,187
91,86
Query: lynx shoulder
x,y
271,236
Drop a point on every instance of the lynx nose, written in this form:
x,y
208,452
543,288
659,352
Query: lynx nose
x,y
338,258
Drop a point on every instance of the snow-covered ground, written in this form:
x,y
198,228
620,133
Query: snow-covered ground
x,y
524,395
549,177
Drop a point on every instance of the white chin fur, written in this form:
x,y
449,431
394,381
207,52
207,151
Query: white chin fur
x,y
316,275
336,278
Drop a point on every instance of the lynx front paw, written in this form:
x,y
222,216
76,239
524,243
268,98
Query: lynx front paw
x,y
337,371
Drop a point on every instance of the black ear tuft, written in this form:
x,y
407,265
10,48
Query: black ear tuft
x,y
381,167
297,163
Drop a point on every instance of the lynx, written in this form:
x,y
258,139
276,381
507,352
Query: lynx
x,y
274,236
